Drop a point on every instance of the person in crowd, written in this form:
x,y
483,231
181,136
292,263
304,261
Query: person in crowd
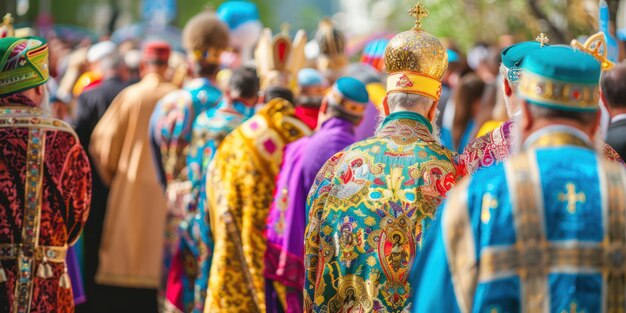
x,y
613,86
204,39
467,103
496,146
187,280
244,25
369,202
342,110
240,181
312,86
90,108
505,239
46,185
131,251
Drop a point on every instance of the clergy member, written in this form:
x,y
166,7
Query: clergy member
x,y
239,186
132,238
496,146
189,271
204,39
46,185
543,231
368,204
342,110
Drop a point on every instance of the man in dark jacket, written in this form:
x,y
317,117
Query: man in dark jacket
x,y
91,106
613,86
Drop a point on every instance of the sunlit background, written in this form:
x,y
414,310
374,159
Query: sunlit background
x,y
464,21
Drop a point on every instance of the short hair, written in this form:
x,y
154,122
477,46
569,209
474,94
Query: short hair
x,y
111,62
613,85
408,101
278,92
584,118
338,113
245,82
334,109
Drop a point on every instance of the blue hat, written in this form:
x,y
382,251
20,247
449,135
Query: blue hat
x,y
236,13
308,77
349,95
560,77
513,56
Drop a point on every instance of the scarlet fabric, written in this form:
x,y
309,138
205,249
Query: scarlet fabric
x,y
65,197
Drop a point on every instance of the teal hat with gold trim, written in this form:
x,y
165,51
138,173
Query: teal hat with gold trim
x,y
513,56
562,78
23,64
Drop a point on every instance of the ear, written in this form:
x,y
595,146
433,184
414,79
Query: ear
x,y
385,106
324,105
508,91
432,112
604,103
526,121
39,89
597,123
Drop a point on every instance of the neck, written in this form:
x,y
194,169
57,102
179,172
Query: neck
x,y
558,135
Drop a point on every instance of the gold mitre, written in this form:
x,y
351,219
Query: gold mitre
x,y
332,45
278,59
416,60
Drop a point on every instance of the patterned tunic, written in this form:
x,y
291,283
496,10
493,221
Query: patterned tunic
x,y
45,191
542,232
366,214
495,147
189,272
240,182
170,132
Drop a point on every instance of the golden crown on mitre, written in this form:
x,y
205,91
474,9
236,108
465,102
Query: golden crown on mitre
x,y
279,59
596,46
416,60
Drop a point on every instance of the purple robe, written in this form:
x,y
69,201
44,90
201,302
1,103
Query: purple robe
x,y
287,218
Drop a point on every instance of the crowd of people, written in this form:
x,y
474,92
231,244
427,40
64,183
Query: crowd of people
x,y
245,175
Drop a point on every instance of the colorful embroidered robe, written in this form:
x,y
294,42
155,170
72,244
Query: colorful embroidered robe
x,y
189,272
45,192
284,257
240,182
541,232
170,135
495,147
366,214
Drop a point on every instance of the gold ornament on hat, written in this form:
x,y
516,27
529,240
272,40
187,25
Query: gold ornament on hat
x,y
542,39
418,12
416,60
593,45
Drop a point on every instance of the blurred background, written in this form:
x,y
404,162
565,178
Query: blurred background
x,y
466,22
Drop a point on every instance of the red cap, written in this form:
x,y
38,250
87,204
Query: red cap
x,y
156,51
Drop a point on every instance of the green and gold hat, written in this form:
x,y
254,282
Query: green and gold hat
x,y
562,78
23,64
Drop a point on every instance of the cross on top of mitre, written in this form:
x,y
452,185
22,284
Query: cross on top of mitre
x,y
542,39
418,12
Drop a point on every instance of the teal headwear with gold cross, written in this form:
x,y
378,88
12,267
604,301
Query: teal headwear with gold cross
x,y
23,64
562,78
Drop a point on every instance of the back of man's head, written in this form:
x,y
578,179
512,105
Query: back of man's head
x,y
613,85
278,92
244,83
